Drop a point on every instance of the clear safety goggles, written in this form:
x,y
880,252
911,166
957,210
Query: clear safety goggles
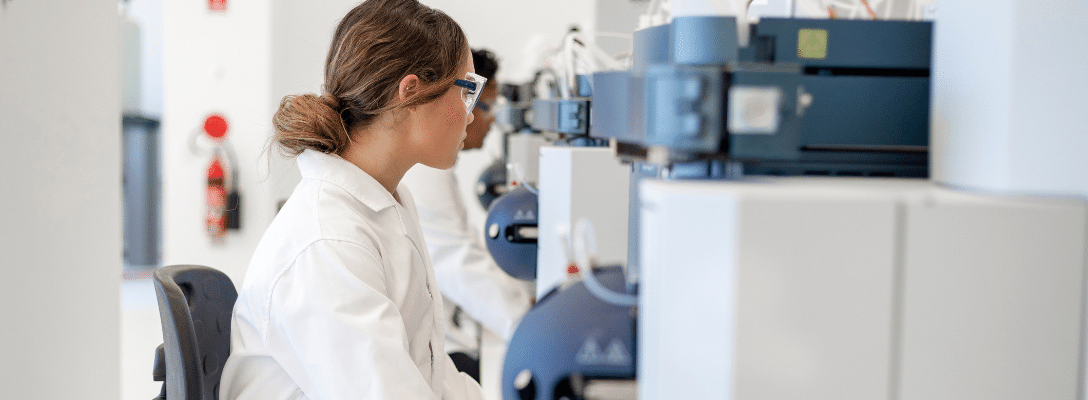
x,y
471,88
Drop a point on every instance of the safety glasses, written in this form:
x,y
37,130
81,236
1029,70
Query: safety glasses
x,y
471,86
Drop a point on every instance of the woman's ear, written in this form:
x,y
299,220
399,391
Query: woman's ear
x,y
408,86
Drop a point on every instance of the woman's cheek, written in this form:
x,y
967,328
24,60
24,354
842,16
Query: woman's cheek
x,y
453,117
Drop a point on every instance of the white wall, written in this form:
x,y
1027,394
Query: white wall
x,y
60,108
214,62
517,31
148,14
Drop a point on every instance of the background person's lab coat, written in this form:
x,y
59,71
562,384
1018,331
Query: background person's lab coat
x,y
467,275
340,301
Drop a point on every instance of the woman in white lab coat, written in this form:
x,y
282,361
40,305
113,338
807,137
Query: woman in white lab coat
x,y
340,300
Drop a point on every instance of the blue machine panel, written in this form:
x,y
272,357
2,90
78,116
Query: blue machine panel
x,y
851,44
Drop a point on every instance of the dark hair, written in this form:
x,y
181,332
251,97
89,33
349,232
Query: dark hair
x,y
486,63
376,44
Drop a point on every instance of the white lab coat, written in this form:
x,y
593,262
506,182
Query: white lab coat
x,y
467,275
340,301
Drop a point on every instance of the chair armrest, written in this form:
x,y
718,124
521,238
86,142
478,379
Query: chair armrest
x,y
159,372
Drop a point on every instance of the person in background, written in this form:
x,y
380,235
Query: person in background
x,y
340,300
476,291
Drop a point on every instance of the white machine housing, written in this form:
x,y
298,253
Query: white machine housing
x,y
523,158
1009,96
861,288
576,183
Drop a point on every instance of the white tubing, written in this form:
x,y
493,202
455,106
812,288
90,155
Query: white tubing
x,y
521,177
584,246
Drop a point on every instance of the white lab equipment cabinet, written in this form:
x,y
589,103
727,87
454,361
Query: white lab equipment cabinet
x,y
814,288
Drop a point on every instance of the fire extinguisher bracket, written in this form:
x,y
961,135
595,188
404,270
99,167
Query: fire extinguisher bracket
x,y
234,210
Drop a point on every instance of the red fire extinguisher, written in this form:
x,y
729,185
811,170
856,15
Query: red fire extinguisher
x,y
215,201
221,198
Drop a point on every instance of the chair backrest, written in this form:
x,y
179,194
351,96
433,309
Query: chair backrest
x,y
195,305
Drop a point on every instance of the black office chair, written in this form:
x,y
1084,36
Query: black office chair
x,y
195,305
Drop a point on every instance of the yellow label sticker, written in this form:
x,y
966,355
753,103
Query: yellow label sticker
x,y
812,43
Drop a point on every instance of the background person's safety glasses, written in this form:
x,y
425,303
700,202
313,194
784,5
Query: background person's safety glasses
x,y
472,86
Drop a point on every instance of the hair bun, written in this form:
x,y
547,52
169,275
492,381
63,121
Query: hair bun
x,y
307,121
330,100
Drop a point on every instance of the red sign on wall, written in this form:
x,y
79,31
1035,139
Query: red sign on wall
x,y
217,5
